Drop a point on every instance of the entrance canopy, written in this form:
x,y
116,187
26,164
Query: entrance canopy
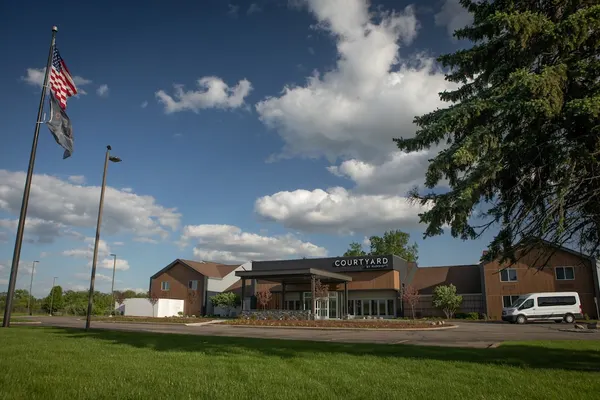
x,y
291,276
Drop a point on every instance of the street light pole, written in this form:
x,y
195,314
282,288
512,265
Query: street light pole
x,y
112,287
52,294
31,287
107,158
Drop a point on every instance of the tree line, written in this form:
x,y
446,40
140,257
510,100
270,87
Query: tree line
x,y
69,302
392,242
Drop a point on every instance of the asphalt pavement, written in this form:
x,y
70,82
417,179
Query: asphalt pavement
x,y
467,334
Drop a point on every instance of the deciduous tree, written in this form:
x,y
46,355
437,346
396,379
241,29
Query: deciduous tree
x,y
263,298
521,135
355,250
446,299
153,299
227,301
321,290
394,242
410,295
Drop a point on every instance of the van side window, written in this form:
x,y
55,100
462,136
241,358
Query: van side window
x,y
556,301
527,304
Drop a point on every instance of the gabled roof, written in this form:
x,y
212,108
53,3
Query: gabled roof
x,y
531,243
206,268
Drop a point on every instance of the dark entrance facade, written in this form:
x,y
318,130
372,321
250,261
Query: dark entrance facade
x,y
358,287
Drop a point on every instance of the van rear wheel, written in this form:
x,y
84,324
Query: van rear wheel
x,y
569,318
521,319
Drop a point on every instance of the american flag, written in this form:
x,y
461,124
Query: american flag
x,y
61,82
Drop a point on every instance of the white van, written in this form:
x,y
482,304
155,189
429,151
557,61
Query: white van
x,y
556,306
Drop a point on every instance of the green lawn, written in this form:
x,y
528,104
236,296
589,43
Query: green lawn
x,y
51,363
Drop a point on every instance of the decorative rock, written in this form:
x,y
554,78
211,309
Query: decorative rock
x,y
593,325
433,323
577,326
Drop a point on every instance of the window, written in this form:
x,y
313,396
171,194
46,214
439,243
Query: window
x,y
373,307
390,307
193,285
508,301
165,286
351,307
565,273
382,310
292,304
556,301
508,275
358,307
527,304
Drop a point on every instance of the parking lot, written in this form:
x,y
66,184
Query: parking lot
x,y
467,334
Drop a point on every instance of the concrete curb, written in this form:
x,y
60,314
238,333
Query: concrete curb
x,y
140,322
580,330
26,323
437,328
214,321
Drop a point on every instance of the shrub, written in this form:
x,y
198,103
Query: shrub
x,y
473,316
446,299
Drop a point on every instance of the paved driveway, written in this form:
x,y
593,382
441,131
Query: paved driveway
x,y
468,334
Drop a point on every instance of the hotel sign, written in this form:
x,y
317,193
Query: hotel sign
x,y
365,262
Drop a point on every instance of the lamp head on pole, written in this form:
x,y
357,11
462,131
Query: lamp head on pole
x,y
114,159
112,255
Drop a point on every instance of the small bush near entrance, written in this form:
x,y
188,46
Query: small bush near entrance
x,y
473,316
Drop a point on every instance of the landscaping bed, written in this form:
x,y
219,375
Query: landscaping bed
x,y
348,324
155,320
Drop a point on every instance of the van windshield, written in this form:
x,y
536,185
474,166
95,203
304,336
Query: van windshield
x,y
518,302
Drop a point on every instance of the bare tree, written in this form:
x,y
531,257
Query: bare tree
x,y
192,296
153,299
264,297
321,290
411,296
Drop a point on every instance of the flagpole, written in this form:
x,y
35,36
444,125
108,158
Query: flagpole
x,y
21,226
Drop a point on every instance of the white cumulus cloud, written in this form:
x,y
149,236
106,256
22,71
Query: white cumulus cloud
x,y
104,258
453,16
229,244
35,77
349,115
212,92
77,179
63,205
102,90
338,211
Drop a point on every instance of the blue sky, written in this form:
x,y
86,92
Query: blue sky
x,y
247,129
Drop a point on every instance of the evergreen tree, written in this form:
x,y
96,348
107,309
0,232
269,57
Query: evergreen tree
x,y
522,131
55,297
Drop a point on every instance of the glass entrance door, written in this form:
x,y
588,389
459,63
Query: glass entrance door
x,y
324,308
